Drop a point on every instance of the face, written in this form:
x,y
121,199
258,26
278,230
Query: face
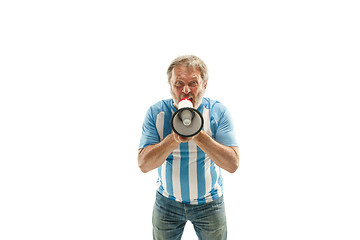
x,y
186,82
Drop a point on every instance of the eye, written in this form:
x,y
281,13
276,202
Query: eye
x,y
178,83
193,83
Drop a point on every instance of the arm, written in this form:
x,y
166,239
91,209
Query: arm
x,y
223,156
153,156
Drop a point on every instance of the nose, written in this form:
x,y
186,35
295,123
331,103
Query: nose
x,y
186,89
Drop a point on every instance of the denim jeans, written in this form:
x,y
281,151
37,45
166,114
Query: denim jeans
x,y
170,217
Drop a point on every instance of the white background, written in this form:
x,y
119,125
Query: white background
x,y
78,76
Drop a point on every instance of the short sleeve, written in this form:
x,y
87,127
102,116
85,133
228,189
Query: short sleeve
x,y
149,135
225,132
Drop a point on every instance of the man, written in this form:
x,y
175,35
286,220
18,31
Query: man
x,y
189,185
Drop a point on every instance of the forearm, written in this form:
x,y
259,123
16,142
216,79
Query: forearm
x,y
223,156
153,156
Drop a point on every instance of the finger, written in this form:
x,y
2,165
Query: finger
x,y
185,139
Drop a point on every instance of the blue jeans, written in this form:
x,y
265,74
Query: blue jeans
x,y
169,219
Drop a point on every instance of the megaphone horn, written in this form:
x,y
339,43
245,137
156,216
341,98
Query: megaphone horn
x,y
186,121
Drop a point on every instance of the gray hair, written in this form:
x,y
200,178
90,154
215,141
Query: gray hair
x,y
189,61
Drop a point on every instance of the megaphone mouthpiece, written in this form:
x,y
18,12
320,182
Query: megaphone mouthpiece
x,y
185,102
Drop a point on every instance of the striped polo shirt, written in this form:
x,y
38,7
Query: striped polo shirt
x,y
188,175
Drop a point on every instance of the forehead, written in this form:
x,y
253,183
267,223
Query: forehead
x,y
186,72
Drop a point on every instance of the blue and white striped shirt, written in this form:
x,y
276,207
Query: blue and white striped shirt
x,y
188,175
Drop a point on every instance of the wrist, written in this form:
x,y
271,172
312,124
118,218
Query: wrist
x,y
200,136
175,138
